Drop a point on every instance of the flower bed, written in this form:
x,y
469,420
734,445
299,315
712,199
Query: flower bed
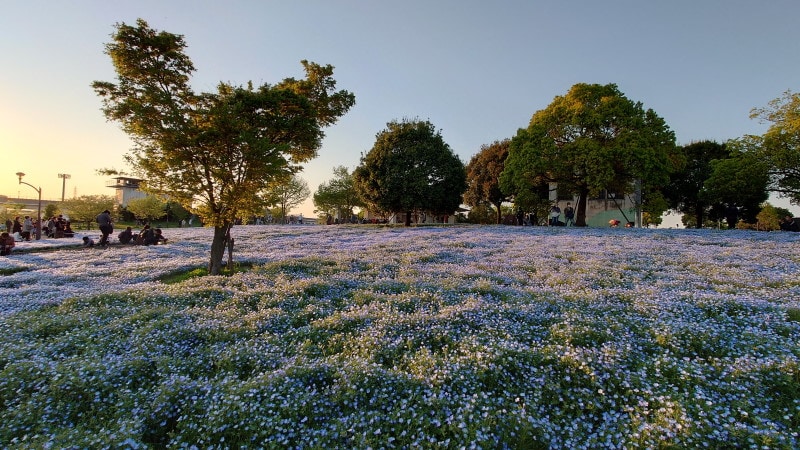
x,y
439,337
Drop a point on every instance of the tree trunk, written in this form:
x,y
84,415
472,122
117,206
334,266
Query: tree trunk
x,y
699,215
580,215
218,244
230,253
499,213
408,218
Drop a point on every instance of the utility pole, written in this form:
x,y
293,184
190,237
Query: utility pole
x,y
64,177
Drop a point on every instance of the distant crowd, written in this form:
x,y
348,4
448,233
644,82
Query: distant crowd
x,y
23,229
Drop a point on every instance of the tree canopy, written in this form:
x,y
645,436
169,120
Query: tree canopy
x,y
780,145
591,139
149,207
409,168
338,196
483,177
686,192
288,194
739,181
84,209
215,153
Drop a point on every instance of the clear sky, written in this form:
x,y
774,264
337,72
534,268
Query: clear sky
x,y
477,70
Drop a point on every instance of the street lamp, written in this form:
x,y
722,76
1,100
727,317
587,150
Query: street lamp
x,y
39,213
65,177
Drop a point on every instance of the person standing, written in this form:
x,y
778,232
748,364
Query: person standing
x,y
106,226
555,213
569,216
27,227
732,215
16,227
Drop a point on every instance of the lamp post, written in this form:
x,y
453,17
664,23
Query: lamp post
x,y
39,212
64,177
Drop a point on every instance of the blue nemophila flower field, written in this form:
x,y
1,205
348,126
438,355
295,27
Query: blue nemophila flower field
x,y
432,337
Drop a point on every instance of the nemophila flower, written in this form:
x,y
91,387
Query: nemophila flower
x,y
475,337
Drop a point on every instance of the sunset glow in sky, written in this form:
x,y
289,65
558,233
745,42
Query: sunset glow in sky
x,y
477,70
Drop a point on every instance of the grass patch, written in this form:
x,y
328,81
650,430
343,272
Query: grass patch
x,y
12,270
794,314
187,274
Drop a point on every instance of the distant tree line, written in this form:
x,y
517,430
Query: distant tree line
x,y
589,141
235,152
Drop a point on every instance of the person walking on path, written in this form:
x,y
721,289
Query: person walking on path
x,y
106,226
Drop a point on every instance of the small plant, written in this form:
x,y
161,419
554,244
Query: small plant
x,y
794,314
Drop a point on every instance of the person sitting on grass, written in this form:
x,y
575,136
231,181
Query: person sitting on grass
x,y
88,242
789,224
125,237
6,243
68,233
144,236
155,237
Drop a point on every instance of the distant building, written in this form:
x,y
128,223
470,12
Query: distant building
x,y
127,189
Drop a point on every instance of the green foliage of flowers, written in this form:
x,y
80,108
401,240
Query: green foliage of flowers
x,y
11,270
794,314
443,338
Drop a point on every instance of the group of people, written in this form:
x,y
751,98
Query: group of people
x,y
22,227
789,224
26,228
553,218
147,236
59,227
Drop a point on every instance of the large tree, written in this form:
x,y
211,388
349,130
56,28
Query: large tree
x,y
591,139
84,209
739,181
411,168
147,208
288,194
338,196
685,191
780,145
483,177
215,153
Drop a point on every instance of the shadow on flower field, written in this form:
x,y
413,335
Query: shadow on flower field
x,y
432,337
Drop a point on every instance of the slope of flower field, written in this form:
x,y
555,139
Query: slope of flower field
x,y
433,337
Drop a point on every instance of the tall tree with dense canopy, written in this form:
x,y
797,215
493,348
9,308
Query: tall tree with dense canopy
x,y
339,195
685,191
411,168
215,153
591,139
483,177
738,181
780,145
